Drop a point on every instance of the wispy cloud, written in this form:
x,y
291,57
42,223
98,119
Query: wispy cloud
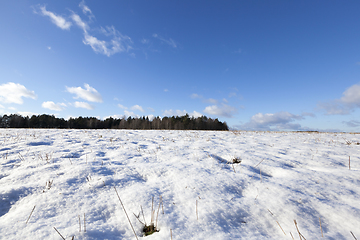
x,y
83,105
13,93
121,106
58,20
195,96
86,10
115,42
238,51
89,93
137,108
345,105
169,41
222,109
273,121
232,94
118,43
79,22
211,100
208,100
145,41
352,123
53,106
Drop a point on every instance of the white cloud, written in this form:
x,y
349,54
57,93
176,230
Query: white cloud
x,y
195,114
151,117
115,42
89,93
121,106
53,106
166,90
83,105
273,121
79,22
29,114
1,106
346,104
180,113
351,95
130,114
223,110
170,42
174,113
56,19
115,116
274,118
151,109
137,108
118,42
13,92
86,10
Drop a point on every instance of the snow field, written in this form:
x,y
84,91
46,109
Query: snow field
x,y
283,176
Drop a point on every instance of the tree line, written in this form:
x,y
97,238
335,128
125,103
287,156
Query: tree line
x,y
174,123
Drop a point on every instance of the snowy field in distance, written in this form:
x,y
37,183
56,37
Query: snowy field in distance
x,y
282,177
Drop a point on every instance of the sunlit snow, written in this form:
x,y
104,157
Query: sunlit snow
x,y
64,178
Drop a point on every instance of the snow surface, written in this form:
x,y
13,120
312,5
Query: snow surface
x,y
304,177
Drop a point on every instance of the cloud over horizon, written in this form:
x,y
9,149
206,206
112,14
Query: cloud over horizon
x,y
170,113
222,110
273,121
137,108
346,104
53,106
89,93
83,105
14,92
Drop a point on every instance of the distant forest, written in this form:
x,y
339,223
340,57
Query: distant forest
x,y
174,123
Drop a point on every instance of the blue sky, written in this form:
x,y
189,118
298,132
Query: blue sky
x,y
258,65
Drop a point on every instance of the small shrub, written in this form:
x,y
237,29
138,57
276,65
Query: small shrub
x,y
148,230
236,160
